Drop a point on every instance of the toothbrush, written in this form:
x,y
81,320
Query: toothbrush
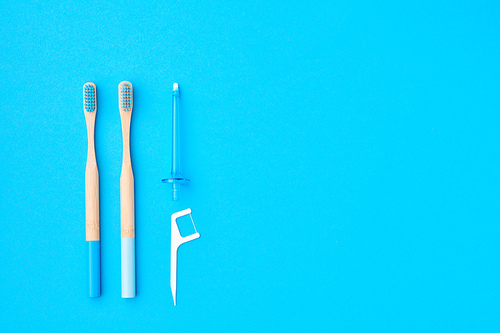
x,y
92,194
125,101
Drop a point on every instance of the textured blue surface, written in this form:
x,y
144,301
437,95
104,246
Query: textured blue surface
x,y
344,159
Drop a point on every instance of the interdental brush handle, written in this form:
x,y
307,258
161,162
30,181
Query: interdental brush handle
x,y
175,176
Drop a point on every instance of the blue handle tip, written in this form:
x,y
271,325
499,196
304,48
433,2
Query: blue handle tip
x,y
94,268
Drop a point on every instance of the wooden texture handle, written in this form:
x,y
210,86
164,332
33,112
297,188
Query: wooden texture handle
x,y
127,181
91,183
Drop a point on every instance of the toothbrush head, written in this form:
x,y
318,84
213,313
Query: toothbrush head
x,y
89,97
126,99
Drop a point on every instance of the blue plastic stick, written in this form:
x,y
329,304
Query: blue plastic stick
x,y
175,176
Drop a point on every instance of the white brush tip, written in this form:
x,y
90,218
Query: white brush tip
x,y
176,86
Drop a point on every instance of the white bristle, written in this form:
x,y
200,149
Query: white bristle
x,y
176,86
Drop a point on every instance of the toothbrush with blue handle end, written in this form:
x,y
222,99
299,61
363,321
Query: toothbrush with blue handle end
x,y
92,194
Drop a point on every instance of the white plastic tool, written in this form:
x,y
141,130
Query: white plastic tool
x,y
177,240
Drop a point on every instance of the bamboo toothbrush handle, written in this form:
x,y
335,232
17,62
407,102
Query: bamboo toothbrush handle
x,y
127,181
91,183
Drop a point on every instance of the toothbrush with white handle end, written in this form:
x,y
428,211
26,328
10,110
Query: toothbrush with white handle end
x,y
125,92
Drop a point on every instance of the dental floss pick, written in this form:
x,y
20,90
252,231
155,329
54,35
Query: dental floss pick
x,y
177,240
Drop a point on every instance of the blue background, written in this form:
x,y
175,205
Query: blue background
x,y
343,155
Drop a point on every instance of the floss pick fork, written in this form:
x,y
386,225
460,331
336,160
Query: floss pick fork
x,y
177,240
